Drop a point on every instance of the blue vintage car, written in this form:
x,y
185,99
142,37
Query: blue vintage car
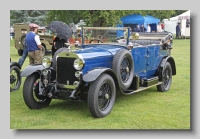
x,y
101,66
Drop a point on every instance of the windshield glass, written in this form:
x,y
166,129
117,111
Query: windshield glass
x,y
91,35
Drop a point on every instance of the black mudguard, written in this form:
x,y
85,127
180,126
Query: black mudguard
x,y
162,64
15,64
94,74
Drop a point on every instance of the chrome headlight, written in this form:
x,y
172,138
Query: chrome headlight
x,y
46,62
78,64
45,72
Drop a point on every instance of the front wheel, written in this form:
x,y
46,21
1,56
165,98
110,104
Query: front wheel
x,y
31,93
101,96
166,78
15,78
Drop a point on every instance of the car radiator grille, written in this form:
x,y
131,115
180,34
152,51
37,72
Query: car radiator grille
x,y
65,71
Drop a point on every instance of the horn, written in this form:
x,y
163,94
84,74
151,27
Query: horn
x,y
135,36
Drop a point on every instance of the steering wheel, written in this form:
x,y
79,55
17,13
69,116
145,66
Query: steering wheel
x,y
96,40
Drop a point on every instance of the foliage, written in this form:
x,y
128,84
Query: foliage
x,y
28,16
91,17
102,17
178,12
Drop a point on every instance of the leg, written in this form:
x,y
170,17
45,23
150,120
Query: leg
x,y
53,50
23,57
38,57
31,60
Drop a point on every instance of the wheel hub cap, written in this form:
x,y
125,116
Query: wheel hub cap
x,y
106,96
127,69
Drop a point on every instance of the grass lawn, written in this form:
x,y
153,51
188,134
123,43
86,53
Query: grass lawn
x,y
148,109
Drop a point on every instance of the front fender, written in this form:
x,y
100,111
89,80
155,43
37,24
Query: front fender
x,y
94,74
31,69
15,64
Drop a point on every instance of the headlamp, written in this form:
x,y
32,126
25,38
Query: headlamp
x,y
46,62
78,64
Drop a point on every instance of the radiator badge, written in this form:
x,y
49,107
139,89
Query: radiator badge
x,y
67,54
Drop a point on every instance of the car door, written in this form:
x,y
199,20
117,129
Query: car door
x,y
140,60
152,58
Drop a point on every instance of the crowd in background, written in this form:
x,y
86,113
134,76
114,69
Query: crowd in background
x,y
141,28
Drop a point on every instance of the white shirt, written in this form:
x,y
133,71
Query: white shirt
x,y
148,29
159,28
11,30
37,40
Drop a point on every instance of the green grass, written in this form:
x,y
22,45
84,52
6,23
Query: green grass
x,y
148,109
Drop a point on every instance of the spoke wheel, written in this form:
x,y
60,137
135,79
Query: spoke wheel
x,y
123,67
125,70
101,96
15,78
166,78
31,93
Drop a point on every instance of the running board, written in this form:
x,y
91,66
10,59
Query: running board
x,y
128,92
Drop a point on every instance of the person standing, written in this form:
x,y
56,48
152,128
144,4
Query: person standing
x,y
57,44
137,28
159,28
11,32
24,55
148,28
34,45
178,31
142,28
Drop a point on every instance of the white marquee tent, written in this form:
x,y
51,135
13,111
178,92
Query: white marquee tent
x,y
170,24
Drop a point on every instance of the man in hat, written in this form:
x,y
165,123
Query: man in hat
x,y
34,45
178,31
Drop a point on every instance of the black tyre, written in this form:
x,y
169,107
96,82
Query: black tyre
x,y
31,91
23,37
166,78
98,40
123,67
55,54
15,78
20,52
43,50
101,96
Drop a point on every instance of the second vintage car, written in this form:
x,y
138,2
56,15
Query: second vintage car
x,y
101,67
21,29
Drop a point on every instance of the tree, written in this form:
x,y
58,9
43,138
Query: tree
x,y
28,16
102,17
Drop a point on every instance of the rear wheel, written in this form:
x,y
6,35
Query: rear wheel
x,y
166,78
